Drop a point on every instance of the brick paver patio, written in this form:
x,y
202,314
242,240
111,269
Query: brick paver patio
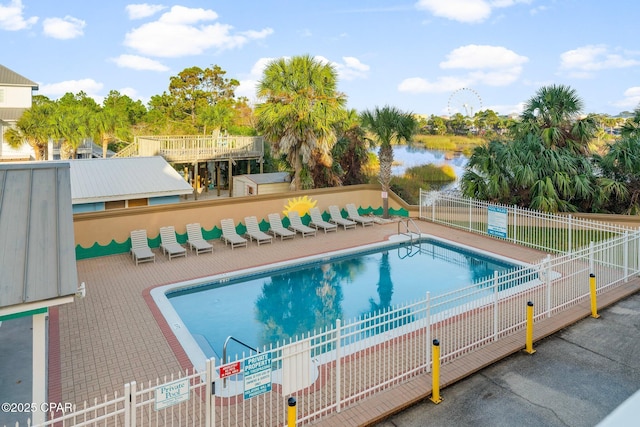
x,y
116,334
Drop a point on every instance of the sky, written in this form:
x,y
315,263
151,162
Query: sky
x,y
421,56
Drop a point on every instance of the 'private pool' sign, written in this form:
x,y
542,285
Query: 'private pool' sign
x,y
172,393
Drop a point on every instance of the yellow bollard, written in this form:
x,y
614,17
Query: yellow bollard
x,y
435,372
592,291
291,412
529,346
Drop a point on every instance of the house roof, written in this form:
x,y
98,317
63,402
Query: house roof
x,y
103,180
11,78
37,249
11,114
268,178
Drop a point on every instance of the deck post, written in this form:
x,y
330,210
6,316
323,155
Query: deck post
x,y
218,177
230,178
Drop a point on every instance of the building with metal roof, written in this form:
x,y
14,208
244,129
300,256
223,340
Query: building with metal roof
x,y
117,183
16,93
37,252
261,183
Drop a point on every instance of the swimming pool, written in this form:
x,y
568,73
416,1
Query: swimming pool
x,y
265,306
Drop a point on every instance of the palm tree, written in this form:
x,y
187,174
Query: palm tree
x,y
631,126
388,125
554,113
300,106
33,127
547,163
109,126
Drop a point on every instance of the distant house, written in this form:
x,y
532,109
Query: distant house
x,y
261,183
16,93
119,183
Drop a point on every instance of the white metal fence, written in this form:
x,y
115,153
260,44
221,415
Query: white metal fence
x,y
557,233
331,369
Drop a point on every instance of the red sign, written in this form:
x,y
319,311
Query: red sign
x,y
230,369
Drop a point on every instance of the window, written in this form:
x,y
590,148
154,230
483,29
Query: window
x,y
117,204
136,202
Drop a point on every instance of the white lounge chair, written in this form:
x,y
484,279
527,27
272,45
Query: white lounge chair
x,y
140,250
169,244
254,232
230,235
354,215
195,240
277,229
318,222
295,224
338,219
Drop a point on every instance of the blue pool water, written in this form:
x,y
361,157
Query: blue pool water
x,y
271,307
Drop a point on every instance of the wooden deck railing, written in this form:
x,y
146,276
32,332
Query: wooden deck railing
x,y
176,148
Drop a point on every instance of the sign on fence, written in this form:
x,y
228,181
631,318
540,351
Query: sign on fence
x,y
497,221
257,375
172,393
230,369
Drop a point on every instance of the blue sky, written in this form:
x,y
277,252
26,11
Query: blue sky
x,y
413,55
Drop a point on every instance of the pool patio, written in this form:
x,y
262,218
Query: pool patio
x,y
116,334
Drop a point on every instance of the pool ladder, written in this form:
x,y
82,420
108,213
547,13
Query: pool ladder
x,y
407,229
224,347
414,237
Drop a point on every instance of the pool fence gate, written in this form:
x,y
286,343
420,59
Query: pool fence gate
x,y
328,370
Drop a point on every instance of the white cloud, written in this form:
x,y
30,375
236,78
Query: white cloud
x,y
180,32
248,85
143,10
63,28
88,86
351,69
457,10
631,99
487,65
475,57
468,11
441,85
130,92
136,62
584,61
11,18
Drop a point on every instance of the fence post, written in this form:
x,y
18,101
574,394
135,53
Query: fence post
x,y
515,223
592,292
435,374
127,405
428,332
133,404
338,366
625,256
291,412
570,249
547,279
209,369
529,345
495,305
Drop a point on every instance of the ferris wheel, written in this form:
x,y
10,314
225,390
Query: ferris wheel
x,y
465,101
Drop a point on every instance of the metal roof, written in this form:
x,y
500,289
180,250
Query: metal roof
x,y
11,114
37,248
11,78
103,180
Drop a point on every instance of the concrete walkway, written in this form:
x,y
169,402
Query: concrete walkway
x,y
576,378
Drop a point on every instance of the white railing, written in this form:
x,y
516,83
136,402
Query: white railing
x,y
195,147
557,233
328,370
